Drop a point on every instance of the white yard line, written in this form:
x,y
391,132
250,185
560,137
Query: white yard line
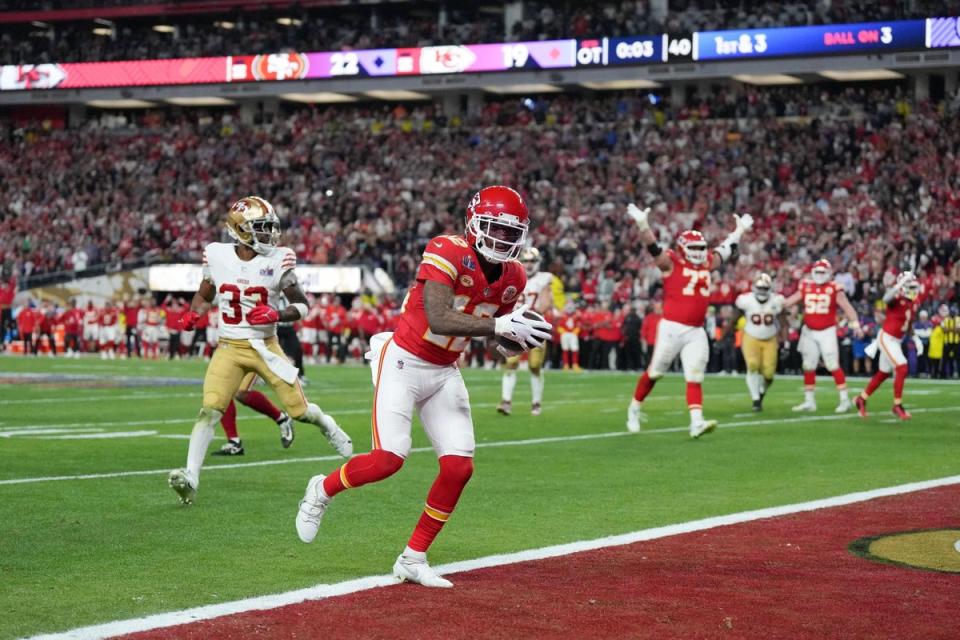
x,y
319,592
480,445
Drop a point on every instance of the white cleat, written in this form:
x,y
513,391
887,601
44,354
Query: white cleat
x,y
844,406
635,418
407,570
311,510
806,406
179,480
697,430
337,437
286,429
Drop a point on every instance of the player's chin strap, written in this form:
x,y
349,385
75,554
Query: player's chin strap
x,y
301,309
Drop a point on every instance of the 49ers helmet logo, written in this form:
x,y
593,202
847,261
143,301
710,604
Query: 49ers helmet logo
x,y
280,66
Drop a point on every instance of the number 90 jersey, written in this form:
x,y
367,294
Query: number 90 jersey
x,y
819,304
761,316
686,291
243,284
451,261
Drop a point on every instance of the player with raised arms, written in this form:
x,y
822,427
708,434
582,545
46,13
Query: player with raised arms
x,y
466,286
249,276
818,338
686,291
902,301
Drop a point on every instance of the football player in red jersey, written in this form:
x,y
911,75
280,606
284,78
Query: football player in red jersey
x,y
902,301
109,329
465,286
818,339
686,291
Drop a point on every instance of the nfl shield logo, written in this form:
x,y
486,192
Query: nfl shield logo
x,y
267,272
469,263
399,364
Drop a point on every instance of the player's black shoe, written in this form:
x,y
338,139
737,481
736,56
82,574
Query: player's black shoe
x,y
231,448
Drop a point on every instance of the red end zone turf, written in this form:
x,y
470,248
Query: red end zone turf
x,y
787,577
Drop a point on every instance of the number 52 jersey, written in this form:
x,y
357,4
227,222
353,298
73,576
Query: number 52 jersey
x,y
243,284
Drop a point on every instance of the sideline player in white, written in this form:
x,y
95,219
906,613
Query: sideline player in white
x,y
818,338
686,292
465,286
249,277
760,309
538,296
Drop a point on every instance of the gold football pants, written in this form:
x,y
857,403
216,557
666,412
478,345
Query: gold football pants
x,y
233,367
760,355
535,358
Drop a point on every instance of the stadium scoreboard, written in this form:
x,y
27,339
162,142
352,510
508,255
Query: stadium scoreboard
x,y
701,46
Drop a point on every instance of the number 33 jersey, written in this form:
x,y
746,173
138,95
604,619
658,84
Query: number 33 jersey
x,y
243,284
761,316
452,262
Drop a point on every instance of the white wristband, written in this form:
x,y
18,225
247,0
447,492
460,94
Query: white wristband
x,y
301,309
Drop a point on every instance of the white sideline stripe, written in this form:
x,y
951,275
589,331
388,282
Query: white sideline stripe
x,y
322,591
480,445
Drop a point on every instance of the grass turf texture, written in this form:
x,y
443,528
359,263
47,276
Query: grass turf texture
x,y
77,552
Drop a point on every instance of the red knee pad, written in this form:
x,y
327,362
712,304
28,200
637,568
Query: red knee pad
x,y
456,469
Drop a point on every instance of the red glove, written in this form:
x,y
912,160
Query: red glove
x,y
188,321
263,314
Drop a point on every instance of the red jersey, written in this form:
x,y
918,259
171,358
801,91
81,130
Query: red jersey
x,y
130,315
151,316
109,316
27,320
335,318
72,319
900,314
569,323
686,291
819,304
452,262
91,317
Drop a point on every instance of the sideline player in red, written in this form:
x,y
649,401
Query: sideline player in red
x,y
902,301
109,332
818,339
465,286
686,291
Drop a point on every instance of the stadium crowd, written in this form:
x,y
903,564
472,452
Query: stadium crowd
x,y
859,175
424,23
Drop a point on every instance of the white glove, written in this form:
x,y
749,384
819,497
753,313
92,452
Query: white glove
x,y
527,332
918,343
904,278
744,224
639,216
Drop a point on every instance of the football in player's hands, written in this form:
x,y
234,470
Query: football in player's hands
x,y
514,347
263,314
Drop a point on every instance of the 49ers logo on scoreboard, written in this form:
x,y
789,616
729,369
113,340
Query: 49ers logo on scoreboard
x,y
269,67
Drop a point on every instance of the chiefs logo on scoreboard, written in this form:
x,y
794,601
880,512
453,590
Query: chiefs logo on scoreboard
x,y
271,67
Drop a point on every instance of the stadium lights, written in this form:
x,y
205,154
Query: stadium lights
x,y
523,88
285,21
39,24
164,28
397,94
767,78
318,97
200,101
863,74
121,104
614,85
103,31
225,24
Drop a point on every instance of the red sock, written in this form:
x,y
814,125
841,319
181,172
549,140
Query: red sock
x,y
899,377
839,378
694,395
260,403
455,472
229,421
875,382
566,358
576,358
361,470
644,386
809,380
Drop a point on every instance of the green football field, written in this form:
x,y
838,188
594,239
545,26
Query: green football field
x,y
90,532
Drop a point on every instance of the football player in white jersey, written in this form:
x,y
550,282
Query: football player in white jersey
x,y
249,277
539,296
761,308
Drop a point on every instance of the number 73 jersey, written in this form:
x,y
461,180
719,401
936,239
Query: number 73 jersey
x,y
761,316
686,291
243,284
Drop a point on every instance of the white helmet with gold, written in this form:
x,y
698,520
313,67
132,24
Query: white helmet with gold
x,y
530,258
253,222
762,285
